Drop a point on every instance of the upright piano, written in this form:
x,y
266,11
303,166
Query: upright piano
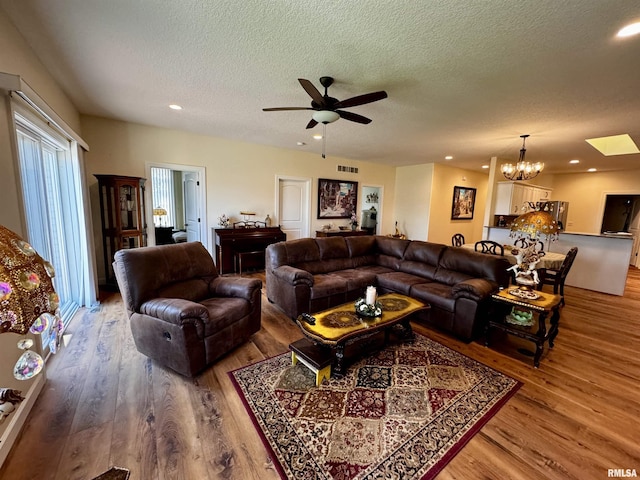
x,y
238,249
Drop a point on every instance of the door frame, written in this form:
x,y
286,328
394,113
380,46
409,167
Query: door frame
x,y
202,196
307,181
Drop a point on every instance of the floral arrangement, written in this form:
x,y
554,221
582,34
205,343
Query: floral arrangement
x,y
224,221
354,220
366,310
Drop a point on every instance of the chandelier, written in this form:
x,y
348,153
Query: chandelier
x,y
522,170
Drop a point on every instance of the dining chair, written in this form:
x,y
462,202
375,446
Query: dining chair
x,y
556,278
457,240
523,243
490,247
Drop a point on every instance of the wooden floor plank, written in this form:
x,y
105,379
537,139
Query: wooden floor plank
x,y
106,404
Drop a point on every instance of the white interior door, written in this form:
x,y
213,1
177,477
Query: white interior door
x,y
191,206
293,207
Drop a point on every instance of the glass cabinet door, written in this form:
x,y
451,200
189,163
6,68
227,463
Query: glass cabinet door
x,y
128,208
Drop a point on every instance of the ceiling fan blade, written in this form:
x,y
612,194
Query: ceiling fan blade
x,y
354,117
312,91
279,109
312,123
362,99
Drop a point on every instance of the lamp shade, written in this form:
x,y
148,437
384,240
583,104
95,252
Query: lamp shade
x,y
159,211
325,116
534,224
27,295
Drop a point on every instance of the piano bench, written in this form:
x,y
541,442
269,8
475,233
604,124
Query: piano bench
x,y
239,256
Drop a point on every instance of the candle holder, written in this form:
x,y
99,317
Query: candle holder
x,y
365,309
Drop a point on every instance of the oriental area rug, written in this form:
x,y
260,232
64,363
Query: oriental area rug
x,y
402,412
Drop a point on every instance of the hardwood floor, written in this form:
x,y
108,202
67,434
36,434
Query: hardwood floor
x,y
105,404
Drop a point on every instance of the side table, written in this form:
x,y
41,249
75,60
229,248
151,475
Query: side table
x,y
504,304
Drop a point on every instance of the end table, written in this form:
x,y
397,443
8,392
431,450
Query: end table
x,y
523,323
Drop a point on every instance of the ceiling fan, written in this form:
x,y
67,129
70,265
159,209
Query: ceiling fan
x,y
328,109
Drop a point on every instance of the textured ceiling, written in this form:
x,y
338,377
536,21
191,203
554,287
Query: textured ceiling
x,y
464,78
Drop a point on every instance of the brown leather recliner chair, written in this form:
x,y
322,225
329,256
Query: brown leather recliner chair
x,y
183,314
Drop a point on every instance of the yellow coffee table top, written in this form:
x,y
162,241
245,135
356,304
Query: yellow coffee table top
x,y
341,323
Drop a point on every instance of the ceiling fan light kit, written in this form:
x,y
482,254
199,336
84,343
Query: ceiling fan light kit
x,y
328,109
522,170
325,116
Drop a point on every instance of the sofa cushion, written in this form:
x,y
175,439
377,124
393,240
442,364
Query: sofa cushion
x,y
325,285
390,251
223,311
399,282
361,245
300,252
473,265
436,294
357,278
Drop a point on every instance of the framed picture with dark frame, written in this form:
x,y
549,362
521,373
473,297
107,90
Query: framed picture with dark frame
x,y
337,198
464,201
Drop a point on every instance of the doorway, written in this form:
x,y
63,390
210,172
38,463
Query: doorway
x,y
621,216
181,192
293,206
371,215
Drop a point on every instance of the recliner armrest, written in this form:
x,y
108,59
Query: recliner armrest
x,y
474,289
293,276
235,287
175,310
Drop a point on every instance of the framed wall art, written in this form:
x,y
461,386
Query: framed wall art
x,y
464,201
336,198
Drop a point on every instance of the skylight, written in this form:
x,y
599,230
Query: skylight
x,y
614,145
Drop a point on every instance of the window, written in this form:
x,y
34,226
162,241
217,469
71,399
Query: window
x,y
54,210
163,196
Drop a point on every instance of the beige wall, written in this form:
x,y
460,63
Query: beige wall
x,y
441,227
424,194
239,176
586,193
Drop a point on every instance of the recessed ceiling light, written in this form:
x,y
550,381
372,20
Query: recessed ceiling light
x,y
592,170
300,144
485,166
574,161
629,30
317,136
448,157
614,145
173,106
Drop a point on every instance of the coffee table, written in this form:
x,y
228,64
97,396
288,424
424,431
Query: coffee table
x,y
331,330
536,331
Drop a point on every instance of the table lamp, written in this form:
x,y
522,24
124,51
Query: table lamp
x,y
28,301
534,226
159,212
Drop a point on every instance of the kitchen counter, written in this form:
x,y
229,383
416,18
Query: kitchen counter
x,y
602,262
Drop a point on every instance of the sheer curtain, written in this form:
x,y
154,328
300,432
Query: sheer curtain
x,y
55,204
163,195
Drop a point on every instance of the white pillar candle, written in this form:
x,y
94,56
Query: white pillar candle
x,y
371,295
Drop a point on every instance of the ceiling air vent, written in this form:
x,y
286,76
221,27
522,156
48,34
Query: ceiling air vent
x,y
344,168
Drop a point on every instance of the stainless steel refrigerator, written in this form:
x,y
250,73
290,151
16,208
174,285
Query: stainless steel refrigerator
x,y
559,210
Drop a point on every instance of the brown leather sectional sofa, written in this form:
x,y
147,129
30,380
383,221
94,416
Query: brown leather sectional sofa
x,y
312,274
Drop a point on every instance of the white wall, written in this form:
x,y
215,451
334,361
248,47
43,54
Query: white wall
x,y
239,176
